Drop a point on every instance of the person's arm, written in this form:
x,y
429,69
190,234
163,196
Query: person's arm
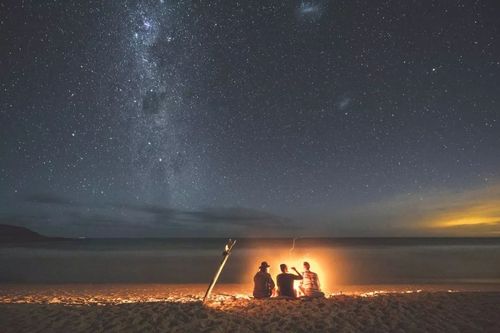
x,y
272,287
271,282
299,276
317,281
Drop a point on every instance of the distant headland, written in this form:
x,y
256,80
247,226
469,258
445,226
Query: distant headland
x,y
12,233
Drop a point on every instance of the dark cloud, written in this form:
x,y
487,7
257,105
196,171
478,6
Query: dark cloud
x,y
473,212
150,209
140,220
212,215
151,102
24,220
47,198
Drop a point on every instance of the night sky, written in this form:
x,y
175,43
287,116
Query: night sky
x,y
256,118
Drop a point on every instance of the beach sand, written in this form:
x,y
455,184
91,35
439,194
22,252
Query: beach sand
x,y
178,308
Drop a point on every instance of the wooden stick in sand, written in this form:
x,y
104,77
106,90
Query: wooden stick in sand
x,y
225,256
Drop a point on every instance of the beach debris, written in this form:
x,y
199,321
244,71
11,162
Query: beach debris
x,y
225,255
385,292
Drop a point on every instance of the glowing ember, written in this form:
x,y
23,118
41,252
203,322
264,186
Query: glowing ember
x,y
382,292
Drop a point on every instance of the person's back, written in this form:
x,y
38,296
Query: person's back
x,y
310,283
285,282
263,282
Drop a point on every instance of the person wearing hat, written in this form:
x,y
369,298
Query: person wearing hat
x,y
263,282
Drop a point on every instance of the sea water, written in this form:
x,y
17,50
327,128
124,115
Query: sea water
x,y
341,261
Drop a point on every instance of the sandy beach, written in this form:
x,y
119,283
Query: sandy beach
x,y
178,308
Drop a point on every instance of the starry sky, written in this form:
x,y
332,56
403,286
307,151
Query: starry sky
x,y
255,118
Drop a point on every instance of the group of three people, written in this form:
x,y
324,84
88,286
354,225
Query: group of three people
x,y
264,286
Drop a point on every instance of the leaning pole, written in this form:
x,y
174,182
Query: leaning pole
x,y
225,256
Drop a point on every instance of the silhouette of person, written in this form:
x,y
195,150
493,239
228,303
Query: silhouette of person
x,y
285,281
310,286
263,282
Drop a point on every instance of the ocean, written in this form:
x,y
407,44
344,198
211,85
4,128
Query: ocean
x,y
338,261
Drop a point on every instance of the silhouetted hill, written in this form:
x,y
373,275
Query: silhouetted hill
x,y
12,233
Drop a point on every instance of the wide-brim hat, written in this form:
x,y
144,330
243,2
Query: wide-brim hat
x,y
264,264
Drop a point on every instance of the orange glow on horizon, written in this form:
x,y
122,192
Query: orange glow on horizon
x,y
479,215
468,221
477,212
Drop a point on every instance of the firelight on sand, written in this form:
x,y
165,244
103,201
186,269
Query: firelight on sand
x,y
178,308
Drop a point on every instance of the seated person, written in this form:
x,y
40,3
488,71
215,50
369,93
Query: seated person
x,y
285,282
309,286
263,282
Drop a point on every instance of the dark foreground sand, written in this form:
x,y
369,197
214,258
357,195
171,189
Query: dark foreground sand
x,y
179,309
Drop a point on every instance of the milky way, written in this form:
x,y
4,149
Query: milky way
x,y
169,117
164,156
